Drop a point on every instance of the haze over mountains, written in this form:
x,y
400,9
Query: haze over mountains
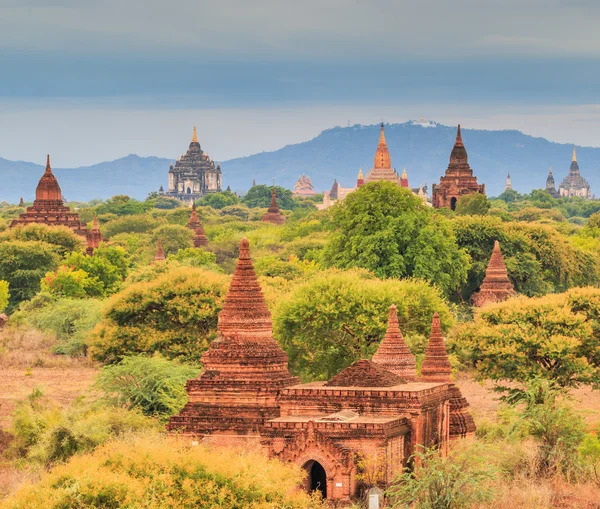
x,y
335,153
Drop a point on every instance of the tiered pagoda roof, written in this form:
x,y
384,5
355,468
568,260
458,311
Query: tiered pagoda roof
x,y
194,224
574,184
304,187
436,366
273,214
496,286
382,164
49,208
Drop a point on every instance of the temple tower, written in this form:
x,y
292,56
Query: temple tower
x,y
508,183
458,180
574,184
382,163
160,254
496,286
194,224
393,354
550,185
274,215
404,179
360,181
94,237
244,367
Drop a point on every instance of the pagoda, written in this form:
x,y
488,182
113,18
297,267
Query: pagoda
x,y
94,237
404,179
303,186
574,184
550,185
160,253
382,164
360,180
496,286
274,215
508,186
194,224
458,180
194,174
49,208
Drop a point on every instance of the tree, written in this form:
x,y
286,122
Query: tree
x,y
137,223
195,257
390,231
509,196
339,317
65,239
23,264
68,282
123,205
4,295
174,314
260,197
173,237
219,200
473,204
553,338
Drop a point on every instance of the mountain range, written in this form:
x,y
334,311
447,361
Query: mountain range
x,y
423,148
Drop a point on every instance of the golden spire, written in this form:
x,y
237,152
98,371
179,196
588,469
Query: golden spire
x,y
194,136
574,154
382,155
360,174
404,177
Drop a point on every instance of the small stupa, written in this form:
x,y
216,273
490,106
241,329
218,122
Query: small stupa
x,y
194,224
94,237
160,254
274,215
496,286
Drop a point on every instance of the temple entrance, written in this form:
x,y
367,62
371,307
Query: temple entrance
x,y
317,479
453,204
189,191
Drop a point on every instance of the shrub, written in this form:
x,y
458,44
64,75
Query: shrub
x,y
4,295
154,385
175,314
68,282
260,197
195,257
141,223
173,237
474,204
219,200
157,472
62,238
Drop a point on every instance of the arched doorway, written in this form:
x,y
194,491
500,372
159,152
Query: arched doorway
x,y
317,478
189,191
453,203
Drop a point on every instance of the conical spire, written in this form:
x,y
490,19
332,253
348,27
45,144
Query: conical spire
x,y
48,169
360,174
160,254
436,366
48,188
274,215
95,223
382,154
496,286
195,136
393,353
273,207
361,179
21,202
574,154
459,156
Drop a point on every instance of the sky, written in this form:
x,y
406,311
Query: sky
x,y
90,81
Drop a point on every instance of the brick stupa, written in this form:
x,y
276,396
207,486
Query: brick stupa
x,y
194,224
382,164
496,286
160,253
458,180
274,215
436,368
393,354
244,368
94,238
49,208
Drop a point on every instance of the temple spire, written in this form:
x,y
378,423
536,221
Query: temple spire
x,y
195,136
458,136
436,366
575,154
48,168
382,154
496,287
160,254
273,214
393,354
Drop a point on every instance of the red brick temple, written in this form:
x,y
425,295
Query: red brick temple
x,y
194,224
458,180
496,286
377,410
49,208
274,215
94,237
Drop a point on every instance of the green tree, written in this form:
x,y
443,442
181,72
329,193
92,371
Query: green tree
x,y
4,295
62,237
154,384
260,197
137,223
195,257
174,314
173,237
474,204
23,264
339,317
509,196
68,282
390,231
123,205
219,200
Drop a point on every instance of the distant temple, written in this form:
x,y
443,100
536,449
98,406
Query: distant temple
x,y
49,208
574,184
496,286
274,215
550,185
382,164
194,174
194,224
508,186
303,186
375,411
458,180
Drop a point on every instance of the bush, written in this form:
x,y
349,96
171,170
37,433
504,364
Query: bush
x,y
260,197
158,472
45,433
68,282
195,257
339,317
62,238
219,200
154,385
173,237
175,314
141,223
4,295
474,204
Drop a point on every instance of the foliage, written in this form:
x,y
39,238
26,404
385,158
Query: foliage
x,y
260,197
154,385
174,314
196,257
23,264
64,239
173,237
340,317
68,282
459,481
388,230
4,295
138,223
108,266
589,454
218,200
123,205
554,338
291,269
43,432
164,202
156,472
474,204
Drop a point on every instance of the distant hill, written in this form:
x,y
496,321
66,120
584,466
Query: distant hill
x,y
335,153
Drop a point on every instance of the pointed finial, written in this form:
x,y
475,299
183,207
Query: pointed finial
x,y
404,176
360,174
194,136
550,172
95,223
458,135
575,154
48,169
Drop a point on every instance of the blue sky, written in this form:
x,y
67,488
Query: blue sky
x,y
92,81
